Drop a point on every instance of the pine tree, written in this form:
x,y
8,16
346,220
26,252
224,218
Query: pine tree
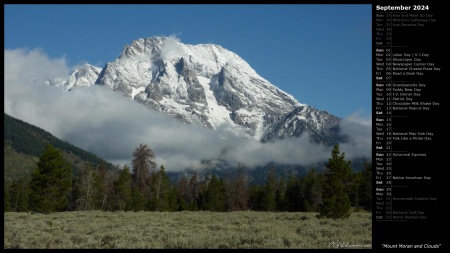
x,y
51,182
194,191
20,191
137,200
311,190
255,196
144,166
335,200
123,189
215,195
280,195
293,194
354,191
268,199
161,189
365,188
171,199
183,192
237,190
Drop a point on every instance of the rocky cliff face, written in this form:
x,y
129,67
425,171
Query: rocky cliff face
x,y
208,85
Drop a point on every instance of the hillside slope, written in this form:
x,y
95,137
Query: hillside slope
x,y
24,143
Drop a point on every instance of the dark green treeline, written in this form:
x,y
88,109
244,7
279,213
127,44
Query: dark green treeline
x,y
145,186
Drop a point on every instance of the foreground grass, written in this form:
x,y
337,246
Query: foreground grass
x,y
246,229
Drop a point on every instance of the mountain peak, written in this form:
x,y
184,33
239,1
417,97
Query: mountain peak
x,y
84,75
204,84
150,45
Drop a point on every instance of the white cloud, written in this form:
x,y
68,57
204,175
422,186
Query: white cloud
x,y
170,47
24,71
112,126
359,131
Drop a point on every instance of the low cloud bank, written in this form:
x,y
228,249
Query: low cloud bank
x,y
112,126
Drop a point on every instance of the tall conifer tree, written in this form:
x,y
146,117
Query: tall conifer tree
x,y
215,195
143,167
122,188
51,182
335,200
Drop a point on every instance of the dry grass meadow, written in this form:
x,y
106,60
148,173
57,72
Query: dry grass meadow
x,y
185,230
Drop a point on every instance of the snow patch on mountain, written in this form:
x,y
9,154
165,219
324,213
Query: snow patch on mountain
x,y
136,91
216,113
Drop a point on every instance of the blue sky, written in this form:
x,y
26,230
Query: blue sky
x,y
320,54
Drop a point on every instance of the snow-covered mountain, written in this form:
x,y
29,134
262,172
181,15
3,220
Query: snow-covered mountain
x,y
208,85
83,76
